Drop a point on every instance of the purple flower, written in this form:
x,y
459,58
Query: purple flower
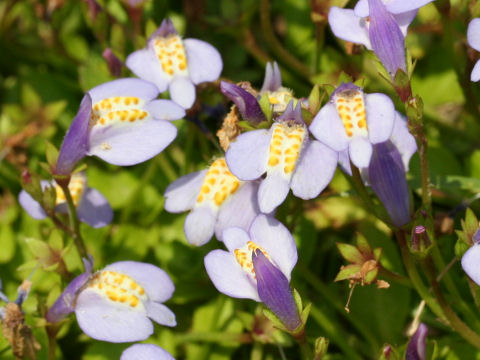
x,y
288,156
262,277
246,103
120,123
473,37
217,200
416,349
471,259
355,121
393,6
145,352
92,207
117,304
175,64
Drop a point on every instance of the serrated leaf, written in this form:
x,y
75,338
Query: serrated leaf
x,y
348,272
350,253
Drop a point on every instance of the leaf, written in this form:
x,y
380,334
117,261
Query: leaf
x,y
363,245
347,272
350,253
7,243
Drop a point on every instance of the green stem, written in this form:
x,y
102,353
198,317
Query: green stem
x,y
276,46
74,222
257,351
393,276
415,278
305,349
213,337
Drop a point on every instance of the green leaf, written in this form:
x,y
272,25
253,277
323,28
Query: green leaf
x,y
350,253
371,276
51,153
7,243
314,100
363,245
266,107
347,272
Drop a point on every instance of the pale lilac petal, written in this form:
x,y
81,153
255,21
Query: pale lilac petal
x,y
204,61
314,170
272,192
417,346
75,144
235,238
471,261
103,320
347,26
145,65
95,209
156,282
402,139
248,154
228,277
380,117
473,34
124,87
239,210
404,20
182,91
393,6
182,194
31,206
165,110
199,225
475,76
276,240
360,152
127,144
328,128
145,352
160,314
344,161
273,78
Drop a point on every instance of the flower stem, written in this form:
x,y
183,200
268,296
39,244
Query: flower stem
x,y
393,276
305,349
74,222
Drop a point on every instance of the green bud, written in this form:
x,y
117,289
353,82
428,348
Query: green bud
x,y
321,347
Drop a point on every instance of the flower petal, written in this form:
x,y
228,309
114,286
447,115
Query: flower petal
x,y
129,144
277,241
475,76
102,320
404,20
314,170
182,91
164,109
204,61
75,144
235,238
248,154
239,210
360,152
31,206
344,161
95,209
160,314
228,277
246,103
155,281
145,65
470,261
349,27
393,6
402,139
272,192
181,195
273,78
416,349
327,127
124,87
473,34
380,117
199,225
145,352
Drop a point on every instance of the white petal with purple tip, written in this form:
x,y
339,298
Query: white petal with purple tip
x,y
182,91
31,206
157,284
103,320
228,277
204,61
277,241
347,26
327,127
145,65
272,192
360,152
314,170
471,261
248,154
182,194
163,109
199,225
94,209
124,87
127,144
145,352
160,314
380,117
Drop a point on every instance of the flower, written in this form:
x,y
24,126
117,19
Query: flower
x,y
393,6
355,121
217,200
473,38
120,123
116,304
145,352
416,348
471,259
175,64
246,103
257,266
290,159
92,207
